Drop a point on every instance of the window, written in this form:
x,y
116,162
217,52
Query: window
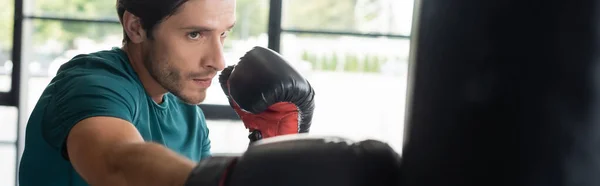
x,y
8,134
361,16
80,9
227,136
360,79
8,162
360,83
8,137
6,29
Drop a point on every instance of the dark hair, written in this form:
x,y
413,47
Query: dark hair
x,y
150,12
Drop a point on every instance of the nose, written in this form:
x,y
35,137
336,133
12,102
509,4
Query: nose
x,y
214,57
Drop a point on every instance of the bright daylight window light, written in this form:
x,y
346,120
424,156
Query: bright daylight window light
x,y
360,81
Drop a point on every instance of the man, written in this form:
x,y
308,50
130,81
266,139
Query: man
x,y
128,116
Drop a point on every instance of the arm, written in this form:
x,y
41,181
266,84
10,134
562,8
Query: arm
x,y
89,119
110,151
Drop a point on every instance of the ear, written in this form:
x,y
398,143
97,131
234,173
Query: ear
x,y
133,28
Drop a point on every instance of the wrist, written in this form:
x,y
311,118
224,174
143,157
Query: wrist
x,y
150,163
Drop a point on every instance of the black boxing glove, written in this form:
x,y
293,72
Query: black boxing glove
x,y
268,94
296,160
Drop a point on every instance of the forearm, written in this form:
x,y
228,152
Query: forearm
x,y
149,164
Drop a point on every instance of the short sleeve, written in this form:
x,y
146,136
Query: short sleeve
x,y
80,97
205,136
205,147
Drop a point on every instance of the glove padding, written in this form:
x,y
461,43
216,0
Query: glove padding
x,y
297,160
268,94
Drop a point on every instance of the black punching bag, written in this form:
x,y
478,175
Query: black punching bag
x,y
504,92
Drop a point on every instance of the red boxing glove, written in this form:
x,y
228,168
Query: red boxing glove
x,y
268,94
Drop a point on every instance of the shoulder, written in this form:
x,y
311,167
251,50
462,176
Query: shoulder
x,y
108,69
112,64
103,77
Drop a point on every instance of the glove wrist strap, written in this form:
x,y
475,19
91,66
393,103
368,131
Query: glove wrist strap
x,y
255,136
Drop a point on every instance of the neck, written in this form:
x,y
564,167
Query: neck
x,y
136,59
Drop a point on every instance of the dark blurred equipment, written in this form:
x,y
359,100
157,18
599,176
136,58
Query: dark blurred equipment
x,y
505,92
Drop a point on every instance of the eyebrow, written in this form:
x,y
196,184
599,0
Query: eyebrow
x,y
230,27
203,28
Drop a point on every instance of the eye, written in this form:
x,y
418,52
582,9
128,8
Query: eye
x,y
194,35
224,34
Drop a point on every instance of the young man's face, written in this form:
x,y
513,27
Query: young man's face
x,y
187,49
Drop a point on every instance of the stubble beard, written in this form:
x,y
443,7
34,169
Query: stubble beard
x,y
167,76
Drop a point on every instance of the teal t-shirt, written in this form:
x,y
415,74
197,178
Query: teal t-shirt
x,y
103,84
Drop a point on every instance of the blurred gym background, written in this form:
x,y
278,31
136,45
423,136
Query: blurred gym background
x,y
354,53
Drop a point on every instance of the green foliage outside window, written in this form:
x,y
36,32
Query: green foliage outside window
x,y
348,62
252,20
